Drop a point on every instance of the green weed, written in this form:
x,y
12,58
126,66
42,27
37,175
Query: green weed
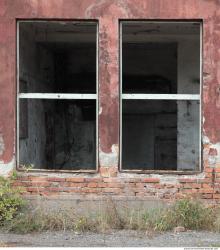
x,y
10,200
187,213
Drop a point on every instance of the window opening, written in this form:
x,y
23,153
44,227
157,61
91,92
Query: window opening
x,y
57,97
160,95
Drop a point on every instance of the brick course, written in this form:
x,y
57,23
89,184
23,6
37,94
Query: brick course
x,y
145,187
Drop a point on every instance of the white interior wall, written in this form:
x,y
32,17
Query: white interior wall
x,y
188,112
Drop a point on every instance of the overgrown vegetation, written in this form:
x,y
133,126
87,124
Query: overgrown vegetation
x,y
187,213
10,201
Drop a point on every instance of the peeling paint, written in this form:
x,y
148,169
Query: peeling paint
x,y
109,159
169,180
108,13
115,149
205,140
214,155
100,110
212,160
2,145
7,168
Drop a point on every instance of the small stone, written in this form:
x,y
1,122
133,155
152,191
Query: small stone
x,y
179,229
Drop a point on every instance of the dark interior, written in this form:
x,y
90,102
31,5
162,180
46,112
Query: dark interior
x,y
160,134
58,134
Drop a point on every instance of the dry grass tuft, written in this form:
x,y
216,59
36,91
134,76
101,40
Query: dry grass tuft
x,y
187,213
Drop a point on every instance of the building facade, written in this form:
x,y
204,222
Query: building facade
x,y
105,97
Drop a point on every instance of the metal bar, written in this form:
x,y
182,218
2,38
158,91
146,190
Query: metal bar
x,y
161,97
120,87
97,96
173,172
59,21
56,96
44,170
173,21
17,91
201,93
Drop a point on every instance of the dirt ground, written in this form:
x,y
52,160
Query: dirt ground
x,y
111,239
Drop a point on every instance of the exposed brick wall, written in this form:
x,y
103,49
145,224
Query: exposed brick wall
x,y
207,187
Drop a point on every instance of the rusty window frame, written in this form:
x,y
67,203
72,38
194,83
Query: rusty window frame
x,y
60,96
183,97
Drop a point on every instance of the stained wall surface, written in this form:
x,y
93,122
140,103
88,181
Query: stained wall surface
x,y
108,13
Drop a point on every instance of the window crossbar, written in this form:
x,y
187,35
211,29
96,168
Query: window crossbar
x,y
56,96
183,97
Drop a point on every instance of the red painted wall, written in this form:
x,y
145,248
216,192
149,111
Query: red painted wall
x,y
108,13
